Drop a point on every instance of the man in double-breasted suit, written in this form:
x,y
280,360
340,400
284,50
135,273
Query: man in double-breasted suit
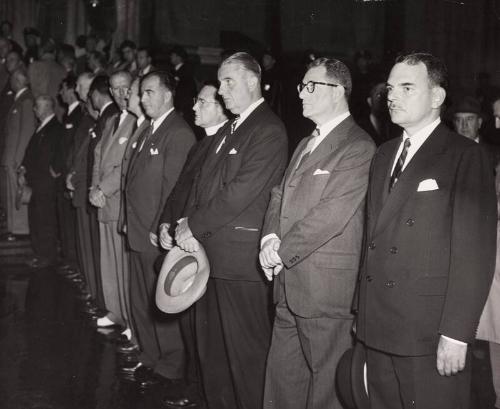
x,y
312,242
38,171
225,214
105,194
19,127
158,157
430,249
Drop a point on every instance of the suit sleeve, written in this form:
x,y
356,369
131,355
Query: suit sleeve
x,y
175,156
473,245
344,193
263,159
97,164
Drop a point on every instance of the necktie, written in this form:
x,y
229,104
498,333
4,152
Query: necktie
x,y
147,134
307,150
398,169
117,123
235,122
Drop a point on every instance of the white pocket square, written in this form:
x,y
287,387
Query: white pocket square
x,y
320,172
427,185
68,126
134,145
122,140
233,152
154,151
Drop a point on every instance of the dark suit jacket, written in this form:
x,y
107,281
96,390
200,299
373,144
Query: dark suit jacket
x,y
177,201
40,155
227,207
152,174
65,144
318,213
129,150
185,90
79,155
430,254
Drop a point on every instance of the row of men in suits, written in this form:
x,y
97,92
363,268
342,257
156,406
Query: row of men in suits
x,y
408,217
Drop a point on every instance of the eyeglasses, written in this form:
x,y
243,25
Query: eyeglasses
x,y
202,101
311,86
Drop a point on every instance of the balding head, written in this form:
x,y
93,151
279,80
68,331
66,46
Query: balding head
x,y
44,107
83,84
19,79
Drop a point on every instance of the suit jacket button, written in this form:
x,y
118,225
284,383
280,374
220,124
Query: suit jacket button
x,y
393,250
390,284
369,278
410,222
371,246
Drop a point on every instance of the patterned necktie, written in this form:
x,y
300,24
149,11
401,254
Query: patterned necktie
x,y
307,150
235,122
398,169
146,134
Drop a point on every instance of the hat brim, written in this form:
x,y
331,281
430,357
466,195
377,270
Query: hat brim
x,y
182,280
351,378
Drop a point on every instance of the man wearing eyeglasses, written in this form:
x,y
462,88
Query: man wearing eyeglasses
x,y
311,245
211,116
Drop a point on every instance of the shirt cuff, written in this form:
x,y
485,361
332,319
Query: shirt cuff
x,y
268,237
455,341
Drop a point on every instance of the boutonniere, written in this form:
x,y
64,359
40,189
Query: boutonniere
x,y
154,151
267,87
93,135
122,140
68,126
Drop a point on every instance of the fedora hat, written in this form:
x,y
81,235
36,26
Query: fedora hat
x,y
182,281
23,195
351,378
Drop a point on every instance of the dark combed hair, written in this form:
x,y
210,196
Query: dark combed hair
x,y
100,84
166,79
180,51
70,81
100,57
148,50
246,61
436,69
336,70
129,44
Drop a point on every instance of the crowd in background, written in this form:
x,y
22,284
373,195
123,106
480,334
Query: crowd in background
x,y
106,156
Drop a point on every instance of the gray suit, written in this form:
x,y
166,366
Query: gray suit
x,y
114,262
318,213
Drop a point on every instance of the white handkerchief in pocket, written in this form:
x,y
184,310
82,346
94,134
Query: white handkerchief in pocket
x,y
122,140
320,172
427,185
233,152
154,151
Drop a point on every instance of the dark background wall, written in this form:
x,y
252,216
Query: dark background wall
x,y
465,33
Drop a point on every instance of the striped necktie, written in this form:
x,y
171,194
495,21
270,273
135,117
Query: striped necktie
x,y
398,169
307,150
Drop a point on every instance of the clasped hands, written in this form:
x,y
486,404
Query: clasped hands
x,y
183,237
270,261
96,197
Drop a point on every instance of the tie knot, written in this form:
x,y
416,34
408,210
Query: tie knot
x,y
315,133
406,143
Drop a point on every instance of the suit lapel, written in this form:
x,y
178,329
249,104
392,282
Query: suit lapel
x,y
331,142
420,165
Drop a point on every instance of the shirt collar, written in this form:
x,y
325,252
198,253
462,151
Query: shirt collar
x,y
178,66
246,113
418,138
146,70
18,93
45,122
327,127
212,130
157,122
140,120
104,107
73,106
